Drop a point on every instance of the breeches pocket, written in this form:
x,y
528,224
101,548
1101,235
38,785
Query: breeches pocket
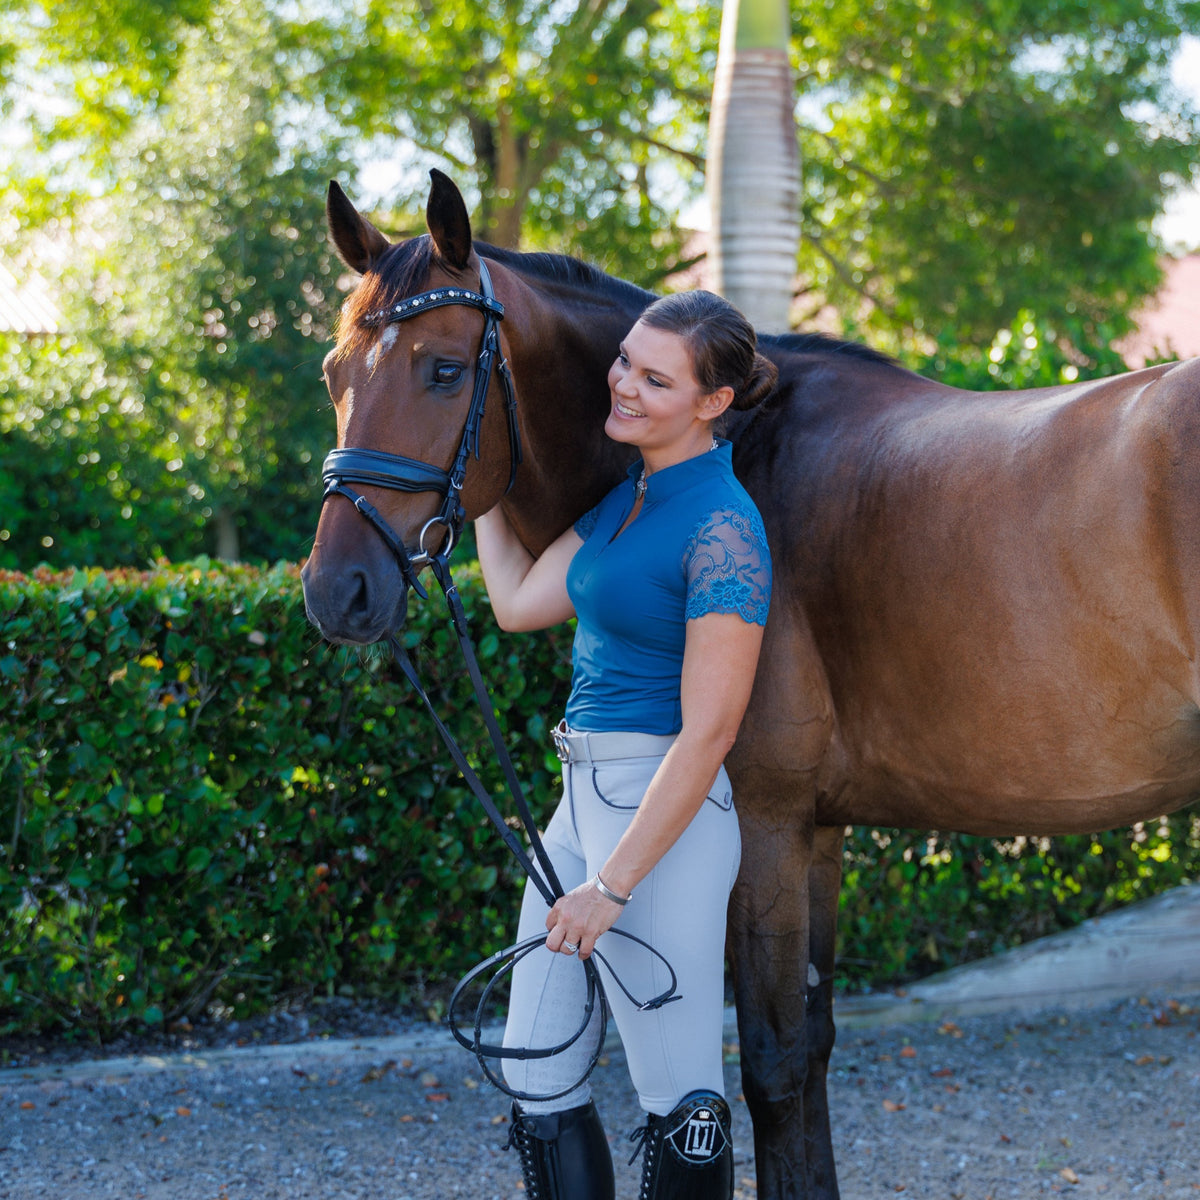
x,y
621,783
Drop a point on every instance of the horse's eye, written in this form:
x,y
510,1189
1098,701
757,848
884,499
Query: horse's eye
x,y
447,374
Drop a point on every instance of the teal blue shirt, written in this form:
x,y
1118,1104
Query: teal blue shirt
x,y
696,547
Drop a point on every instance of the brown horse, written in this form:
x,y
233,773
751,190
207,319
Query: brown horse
x,y
986,606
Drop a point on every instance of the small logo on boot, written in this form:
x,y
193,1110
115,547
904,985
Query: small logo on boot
x,y
699,1138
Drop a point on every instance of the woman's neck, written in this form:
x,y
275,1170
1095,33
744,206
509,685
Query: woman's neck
x,y
659,460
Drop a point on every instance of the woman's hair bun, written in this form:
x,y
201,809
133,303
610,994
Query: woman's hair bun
x,y
760,383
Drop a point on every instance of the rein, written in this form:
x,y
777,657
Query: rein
x,y
539,869
380,469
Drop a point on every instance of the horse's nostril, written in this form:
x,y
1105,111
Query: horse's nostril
x,y
359,601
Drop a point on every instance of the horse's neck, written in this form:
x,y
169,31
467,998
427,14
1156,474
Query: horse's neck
x,y
560,356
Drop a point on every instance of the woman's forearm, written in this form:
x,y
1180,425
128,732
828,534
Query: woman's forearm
x,y
719,661
503,560
526,592
679,787
718,672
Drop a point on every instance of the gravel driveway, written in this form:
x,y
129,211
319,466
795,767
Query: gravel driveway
x,y
1104,1102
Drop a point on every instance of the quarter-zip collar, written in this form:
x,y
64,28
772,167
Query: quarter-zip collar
x,y
670,481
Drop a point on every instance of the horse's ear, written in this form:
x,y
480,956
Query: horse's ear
x,y
449,224
358,242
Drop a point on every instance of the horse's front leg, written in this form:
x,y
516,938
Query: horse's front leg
x,y
784,1004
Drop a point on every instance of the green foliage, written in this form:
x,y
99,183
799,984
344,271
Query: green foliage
x,y
82,472
229,330
574,127
958,169
954,170
914,903
129,47
195,802
200,301
173,156
1030,353
202,804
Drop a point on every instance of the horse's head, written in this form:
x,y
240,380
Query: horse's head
x,y
426,424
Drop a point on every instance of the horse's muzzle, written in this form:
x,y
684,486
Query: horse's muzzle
x,y
354,604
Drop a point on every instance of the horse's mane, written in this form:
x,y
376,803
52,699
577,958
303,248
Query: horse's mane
x,y
404,268
825,343
573,273
559,268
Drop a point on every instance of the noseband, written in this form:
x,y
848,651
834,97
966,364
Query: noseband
x,y
376,468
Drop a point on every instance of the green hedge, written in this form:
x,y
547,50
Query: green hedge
x,y
200,802
203,805
913,903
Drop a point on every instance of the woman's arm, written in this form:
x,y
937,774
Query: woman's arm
x,y
526,592
719,660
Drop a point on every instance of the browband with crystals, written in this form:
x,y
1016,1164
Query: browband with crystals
x,y
435,299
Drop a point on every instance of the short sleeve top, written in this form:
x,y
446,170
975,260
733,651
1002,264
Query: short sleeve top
x,y
696,547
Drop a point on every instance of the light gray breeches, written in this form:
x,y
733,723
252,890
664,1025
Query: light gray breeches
x,y
679,908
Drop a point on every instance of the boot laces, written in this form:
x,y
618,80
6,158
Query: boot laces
x,y
521,1138
648,1140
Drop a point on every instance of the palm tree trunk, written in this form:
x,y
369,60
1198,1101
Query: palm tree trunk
x,y
754,163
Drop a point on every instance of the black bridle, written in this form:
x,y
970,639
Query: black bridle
x,y
379,469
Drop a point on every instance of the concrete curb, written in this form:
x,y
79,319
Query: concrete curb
x,y
1152,946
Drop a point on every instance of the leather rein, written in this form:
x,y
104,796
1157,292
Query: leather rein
x,y
376,468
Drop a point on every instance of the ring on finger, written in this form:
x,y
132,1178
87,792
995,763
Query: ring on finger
x,y
570,947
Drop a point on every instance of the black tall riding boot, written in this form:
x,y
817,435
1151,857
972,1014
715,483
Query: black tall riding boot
x,y
564,1155
689,1152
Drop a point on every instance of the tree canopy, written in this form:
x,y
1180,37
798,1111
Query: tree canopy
x,y
959,161
963,169
962,162
184,405
570,126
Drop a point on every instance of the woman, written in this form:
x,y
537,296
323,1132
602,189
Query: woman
x,y
670,579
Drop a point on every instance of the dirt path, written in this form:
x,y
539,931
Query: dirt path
x,y
1009,1088
1103,1103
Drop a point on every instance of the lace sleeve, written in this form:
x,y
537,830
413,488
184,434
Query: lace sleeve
x,y
586,525
728,566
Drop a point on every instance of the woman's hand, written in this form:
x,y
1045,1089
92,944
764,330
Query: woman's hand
x,y
579,918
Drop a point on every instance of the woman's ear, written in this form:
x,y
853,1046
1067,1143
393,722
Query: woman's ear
x,y
715,403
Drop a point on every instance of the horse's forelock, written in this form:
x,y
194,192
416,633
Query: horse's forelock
x,y
401,272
